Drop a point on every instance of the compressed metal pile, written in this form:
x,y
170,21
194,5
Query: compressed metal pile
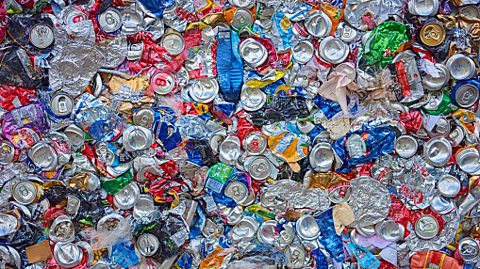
x,y
239,134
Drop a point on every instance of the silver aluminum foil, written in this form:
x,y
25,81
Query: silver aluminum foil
x,y
298,197
369,200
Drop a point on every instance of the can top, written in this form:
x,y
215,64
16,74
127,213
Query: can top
x,y
148,244
253,52
307,228
41,35
432,34
67,255
62,104
110,20
173,43
426,227
25,192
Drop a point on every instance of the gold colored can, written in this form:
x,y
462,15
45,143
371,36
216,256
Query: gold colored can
x,y
432,34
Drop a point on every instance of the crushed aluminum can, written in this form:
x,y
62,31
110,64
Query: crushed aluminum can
x,y
456,135
441,128
467,160
259,167
427,227
67,254
143,206
137,138
390,230
435,83
163,83
242,18
127,197
333,50
307,228
242,4
62,105
7,153
245,230
296,255
230,150
449,186
9,224
109,222
318,24
173,43
255,143
423,8
237,191
41,35
267,232
346,33
135,51
441,205
461,67
144,117
234,214
110,20
406,146
465,94
321,157
253,52
432,34
204,90
62,230
303,51
252,99
43,156
148,245
75,134
437,151
469,250
25,192
73,206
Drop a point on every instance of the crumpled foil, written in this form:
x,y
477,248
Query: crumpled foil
x,y
441,240
369,200
413,179
78,58
297,197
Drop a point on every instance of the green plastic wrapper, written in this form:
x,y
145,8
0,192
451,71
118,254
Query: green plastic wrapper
x,y
384,41
112,186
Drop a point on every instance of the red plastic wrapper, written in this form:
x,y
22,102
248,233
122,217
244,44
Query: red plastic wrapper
x,y
411,120
12,97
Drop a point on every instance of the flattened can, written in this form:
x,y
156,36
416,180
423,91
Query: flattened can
x,y
318,24
148,245
255,143
237,191
333,50
307,228
127,197
61,105
242,18
43,156
173,43
406,146
461,67
110,21
427,227
67,255
437,151
204,90
25,192
137,138
62,230
297,256
435,83
432,34
41,35
267,232
8,153
449,186
253,52
144,117
465,93
303,51
321,157
469,250
259,167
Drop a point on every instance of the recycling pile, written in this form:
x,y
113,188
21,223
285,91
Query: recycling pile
x,y
239,134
